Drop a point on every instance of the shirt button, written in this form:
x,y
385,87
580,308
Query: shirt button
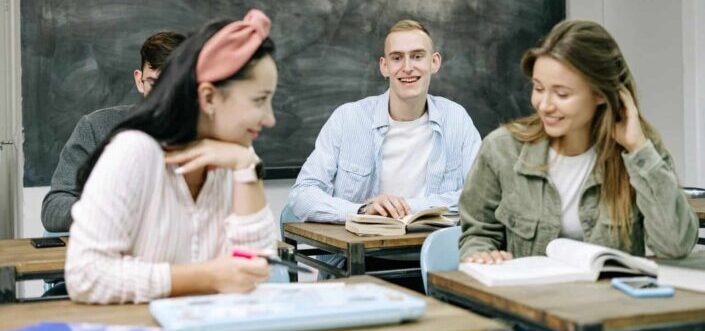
x,y
640,162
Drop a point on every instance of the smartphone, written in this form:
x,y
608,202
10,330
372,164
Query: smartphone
x,y
47,242
642,287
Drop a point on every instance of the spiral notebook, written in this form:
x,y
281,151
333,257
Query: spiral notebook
x,y
309,306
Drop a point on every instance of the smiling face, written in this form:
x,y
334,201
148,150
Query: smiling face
x,y
564,100
408,62
238,111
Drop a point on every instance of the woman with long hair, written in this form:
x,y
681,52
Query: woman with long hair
x,y
177,186
585,166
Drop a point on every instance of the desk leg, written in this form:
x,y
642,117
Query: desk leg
x,y
356,259
7,285
293,276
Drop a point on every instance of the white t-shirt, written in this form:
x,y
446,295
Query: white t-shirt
x,y
405,153
568,173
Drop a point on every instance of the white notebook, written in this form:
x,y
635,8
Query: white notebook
x,y
566,260
303,306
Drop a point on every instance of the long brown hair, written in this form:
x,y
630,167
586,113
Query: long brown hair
x,y
590,50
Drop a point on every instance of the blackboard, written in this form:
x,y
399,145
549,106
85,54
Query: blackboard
x,y
78,56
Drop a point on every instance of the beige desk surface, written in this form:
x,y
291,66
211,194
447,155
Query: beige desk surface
x,y
571,306
439,316
27,259
698,206
336,235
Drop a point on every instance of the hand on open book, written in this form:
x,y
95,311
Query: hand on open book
x,y
490,257
388,206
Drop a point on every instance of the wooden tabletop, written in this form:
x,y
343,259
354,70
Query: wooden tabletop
x,y
571,306
698,207
336,235
438,316
27,259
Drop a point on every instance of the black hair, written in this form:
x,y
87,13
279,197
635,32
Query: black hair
x,y
169,114
157,48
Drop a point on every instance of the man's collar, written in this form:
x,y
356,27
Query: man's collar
x,y
381,114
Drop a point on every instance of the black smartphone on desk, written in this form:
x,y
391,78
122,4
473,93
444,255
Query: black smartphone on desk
x,y
47,242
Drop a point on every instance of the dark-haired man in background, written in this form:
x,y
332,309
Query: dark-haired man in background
x,y
93,128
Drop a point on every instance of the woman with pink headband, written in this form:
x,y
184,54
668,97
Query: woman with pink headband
x,y
177,186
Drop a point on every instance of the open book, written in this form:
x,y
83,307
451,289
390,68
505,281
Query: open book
x,y
566,260
372,225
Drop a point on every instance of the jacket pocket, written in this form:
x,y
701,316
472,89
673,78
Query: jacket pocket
x,y
520,231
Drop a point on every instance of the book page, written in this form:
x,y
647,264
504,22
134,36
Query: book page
x,y
576,253
596,258
373,219
525,271
434,212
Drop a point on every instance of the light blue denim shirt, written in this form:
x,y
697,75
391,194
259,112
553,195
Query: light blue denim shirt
x,y
344,168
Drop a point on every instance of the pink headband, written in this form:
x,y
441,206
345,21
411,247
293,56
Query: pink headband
x,y
230,48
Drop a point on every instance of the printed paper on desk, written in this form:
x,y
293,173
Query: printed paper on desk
x,y
290,307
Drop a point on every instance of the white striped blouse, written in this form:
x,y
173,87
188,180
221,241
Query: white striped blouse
x,y
136,217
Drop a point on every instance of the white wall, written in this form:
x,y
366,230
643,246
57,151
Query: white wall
x,y
10,119
663,42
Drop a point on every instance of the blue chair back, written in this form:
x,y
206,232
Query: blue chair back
x,y
440,252
287,216
278,274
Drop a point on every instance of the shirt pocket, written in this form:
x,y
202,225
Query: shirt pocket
x,y
520,231
353,181
452,176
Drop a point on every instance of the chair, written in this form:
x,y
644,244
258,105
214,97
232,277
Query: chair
x,y
694,192
440,252
287,216
279,274
697,193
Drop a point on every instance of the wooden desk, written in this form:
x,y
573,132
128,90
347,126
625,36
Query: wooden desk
x,y
333,238
438,316
699,207
19,261
571,306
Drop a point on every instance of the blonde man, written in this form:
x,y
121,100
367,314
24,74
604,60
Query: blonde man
x,y
392,154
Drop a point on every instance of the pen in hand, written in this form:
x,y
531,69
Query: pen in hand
x,y
271,260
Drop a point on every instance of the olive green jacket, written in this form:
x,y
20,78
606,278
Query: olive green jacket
x,y
509,203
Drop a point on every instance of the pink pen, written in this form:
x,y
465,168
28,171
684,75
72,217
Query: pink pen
x,y
271,260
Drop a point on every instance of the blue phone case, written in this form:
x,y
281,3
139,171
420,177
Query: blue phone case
x,y
625,285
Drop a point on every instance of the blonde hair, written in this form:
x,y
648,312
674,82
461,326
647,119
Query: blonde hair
x,y
589,49
409,25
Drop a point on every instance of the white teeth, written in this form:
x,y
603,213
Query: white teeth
x,y
409,79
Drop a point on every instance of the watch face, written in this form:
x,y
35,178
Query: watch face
x,y
259,170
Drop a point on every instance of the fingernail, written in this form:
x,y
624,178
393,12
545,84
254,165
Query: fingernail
x,y
179,170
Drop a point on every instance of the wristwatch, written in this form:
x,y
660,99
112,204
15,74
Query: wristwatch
x,y
251,174
362,209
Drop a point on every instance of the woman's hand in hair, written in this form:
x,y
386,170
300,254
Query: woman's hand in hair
x,y
490,257
228,274
628,131
211,154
